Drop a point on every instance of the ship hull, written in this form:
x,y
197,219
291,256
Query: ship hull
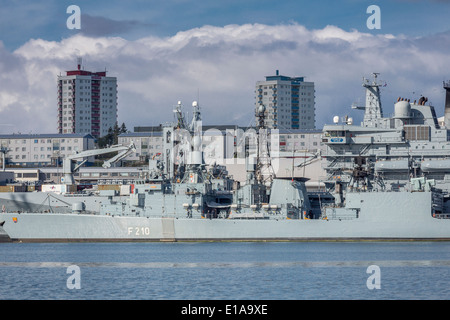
x,y
381,216
66,228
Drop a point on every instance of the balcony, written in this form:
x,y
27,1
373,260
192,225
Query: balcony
x,y
446,84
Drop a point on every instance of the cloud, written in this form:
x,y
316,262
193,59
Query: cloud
x,y
219,66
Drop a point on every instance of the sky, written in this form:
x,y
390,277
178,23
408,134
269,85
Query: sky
x,y
215,51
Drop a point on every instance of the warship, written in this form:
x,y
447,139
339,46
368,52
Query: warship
x,y
386,179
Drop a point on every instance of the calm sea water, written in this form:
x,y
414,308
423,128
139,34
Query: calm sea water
x,y
231,271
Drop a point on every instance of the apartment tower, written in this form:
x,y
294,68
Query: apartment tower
x,y
87,102
289,102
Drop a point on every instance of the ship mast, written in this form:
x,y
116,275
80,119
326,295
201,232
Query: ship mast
x,y
195,164
447,104
373,109
181,123
264,170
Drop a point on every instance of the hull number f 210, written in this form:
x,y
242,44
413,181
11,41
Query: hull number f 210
x,y
138,231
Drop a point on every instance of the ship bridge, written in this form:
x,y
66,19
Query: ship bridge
x,y
335,135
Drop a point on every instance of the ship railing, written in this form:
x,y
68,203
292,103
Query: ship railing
x,y
77,194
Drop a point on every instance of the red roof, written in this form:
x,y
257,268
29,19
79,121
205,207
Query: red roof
x,y
85,73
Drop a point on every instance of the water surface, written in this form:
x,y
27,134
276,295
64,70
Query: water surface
x,y
229,270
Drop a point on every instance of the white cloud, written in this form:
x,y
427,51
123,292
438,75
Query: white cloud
x,y
220,65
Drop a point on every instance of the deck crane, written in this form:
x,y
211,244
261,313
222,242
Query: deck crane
x,y
69,165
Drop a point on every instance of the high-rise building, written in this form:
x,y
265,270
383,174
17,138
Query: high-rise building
x,y
87,102
288,101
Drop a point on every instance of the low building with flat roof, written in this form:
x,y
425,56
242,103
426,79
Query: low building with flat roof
x,y
40,150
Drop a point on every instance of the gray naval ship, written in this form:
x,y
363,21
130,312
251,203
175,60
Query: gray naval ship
x,y
387,179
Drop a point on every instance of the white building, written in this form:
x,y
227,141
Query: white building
x,y
226,142
148,144
37,150
289,102
299,141
87,102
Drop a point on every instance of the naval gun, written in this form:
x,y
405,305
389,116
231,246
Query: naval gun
x,y
69,166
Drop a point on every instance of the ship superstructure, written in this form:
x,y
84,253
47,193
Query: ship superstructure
x,y
406,152
179,185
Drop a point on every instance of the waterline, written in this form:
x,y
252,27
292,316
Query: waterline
x,y
269,264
